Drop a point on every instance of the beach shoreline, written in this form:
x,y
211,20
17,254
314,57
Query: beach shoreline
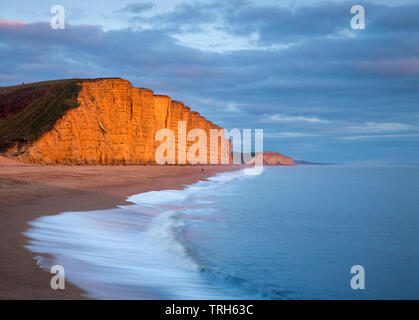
x,y
30,191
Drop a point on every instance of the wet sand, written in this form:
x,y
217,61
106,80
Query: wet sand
x,y
29,191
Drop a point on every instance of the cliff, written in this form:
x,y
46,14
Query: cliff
x,y
274,159
97,121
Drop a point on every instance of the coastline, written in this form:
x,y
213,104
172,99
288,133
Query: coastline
x,y
29,191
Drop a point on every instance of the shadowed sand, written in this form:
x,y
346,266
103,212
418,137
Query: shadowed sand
x,y
29,191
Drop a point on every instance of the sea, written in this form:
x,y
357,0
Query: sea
x,y
286,233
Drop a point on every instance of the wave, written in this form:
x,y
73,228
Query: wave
x,y
137,251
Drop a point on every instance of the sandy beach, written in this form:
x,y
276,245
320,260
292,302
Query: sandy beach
x,y
29,191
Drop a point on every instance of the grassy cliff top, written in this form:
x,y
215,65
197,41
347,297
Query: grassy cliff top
x,y
43,104
28,111
40,84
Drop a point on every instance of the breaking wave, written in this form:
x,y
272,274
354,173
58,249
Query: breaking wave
x,y
138,251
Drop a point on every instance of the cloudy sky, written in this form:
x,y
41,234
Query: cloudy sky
x,y
320,90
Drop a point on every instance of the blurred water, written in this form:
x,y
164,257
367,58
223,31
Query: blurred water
x,y
289,233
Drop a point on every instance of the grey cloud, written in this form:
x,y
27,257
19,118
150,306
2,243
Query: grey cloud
x,y
138,7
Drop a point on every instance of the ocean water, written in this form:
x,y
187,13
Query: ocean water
x,y
288,233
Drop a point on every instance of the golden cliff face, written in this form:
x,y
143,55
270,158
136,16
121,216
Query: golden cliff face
x,y
115,123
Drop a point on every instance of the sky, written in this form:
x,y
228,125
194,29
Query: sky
x,y
320,90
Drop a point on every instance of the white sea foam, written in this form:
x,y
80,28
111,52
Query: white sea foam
x,y
132,252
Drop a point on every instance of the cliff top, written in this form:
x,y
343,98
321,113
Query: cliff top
x,y
29,110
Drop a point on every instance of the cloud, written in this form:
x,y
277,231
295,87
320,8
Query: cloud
x,y
75,14
276,135
383,127
137,7
278,117
5,23
273,24
396,67
381,136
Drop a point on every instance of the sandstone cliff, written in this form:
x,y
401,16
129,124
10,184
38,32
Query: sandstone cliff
x,y
99,121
